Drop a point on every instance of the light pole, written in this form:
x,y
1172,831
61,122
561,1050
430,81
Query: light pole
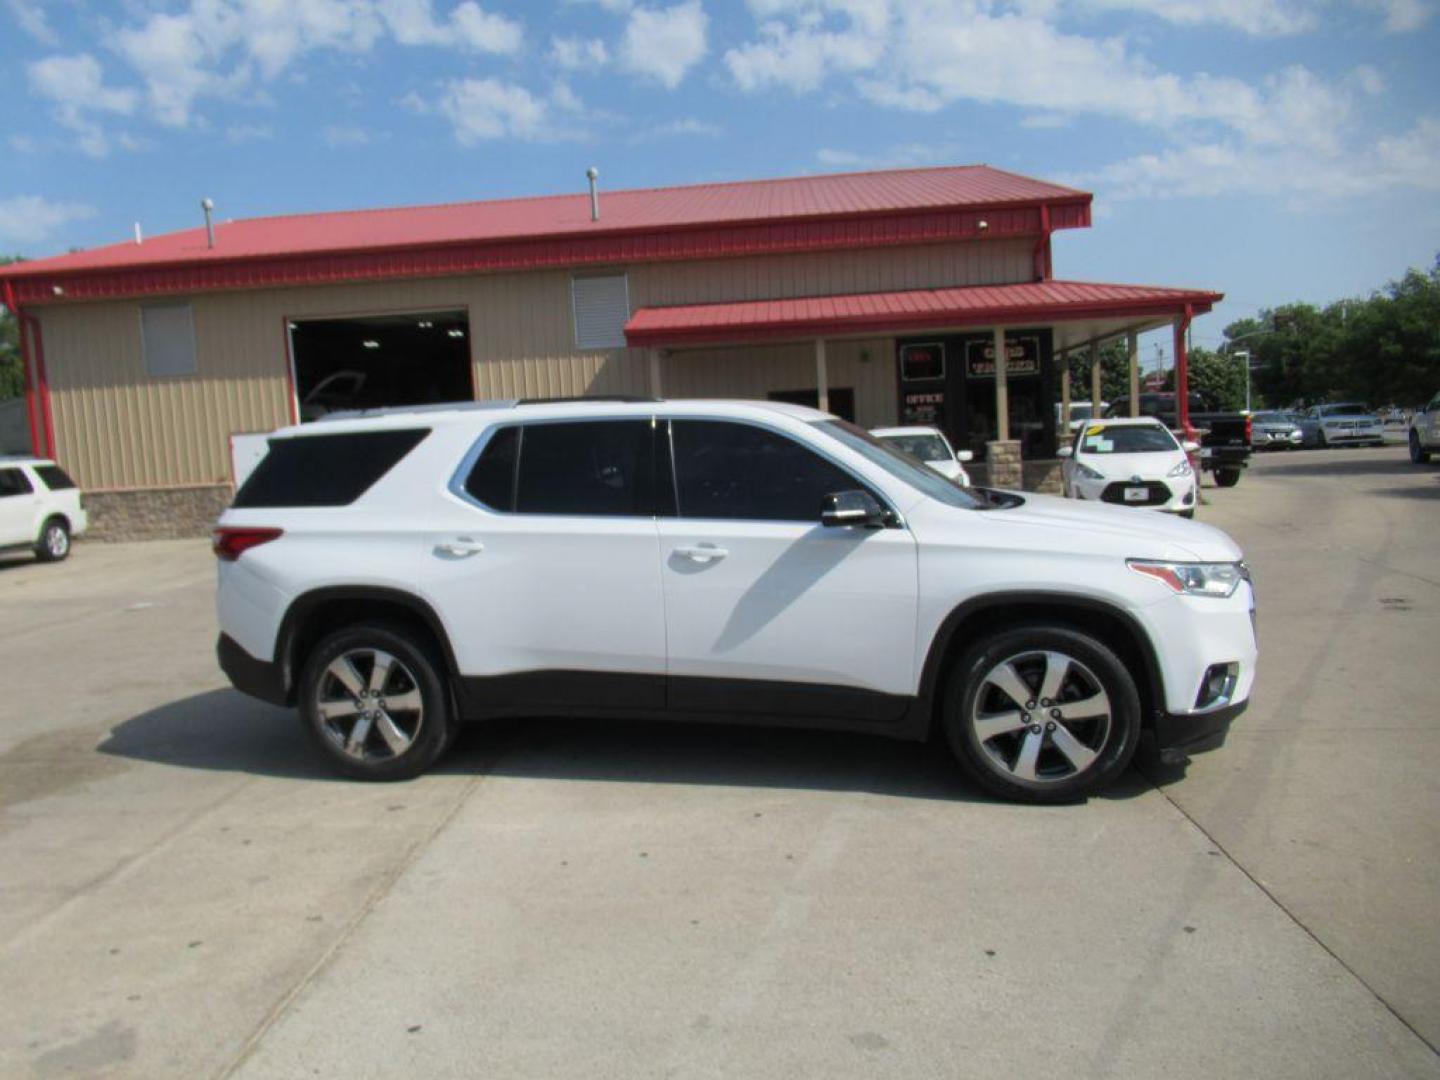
x,y
1244,354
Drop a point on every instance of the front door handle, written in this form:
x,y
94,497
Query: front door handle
x,y
702,553
462,547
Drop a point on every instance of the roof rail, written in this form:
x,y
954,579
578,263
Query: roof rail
x,y
401,410
624,399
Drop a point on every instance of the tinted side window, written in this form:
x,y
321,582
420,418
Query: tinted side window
x,y
601,467
492,480
735,471
55,478
14,482
324,470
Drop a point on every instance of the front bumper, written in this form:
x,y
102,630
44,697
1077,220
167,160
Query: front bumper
x,y
1182,495
261,679
1178,735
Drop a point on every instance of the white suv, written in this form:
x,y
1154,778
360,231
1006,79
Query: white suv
x,y
394,574
39,508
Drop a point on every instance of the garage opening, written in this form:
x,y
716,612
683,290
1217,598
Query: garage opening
x,y
374,361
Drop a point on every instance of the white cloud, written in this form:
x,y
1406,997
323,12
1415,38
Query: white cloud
x,y
33,219
75,85
239,134
899,156
1259,17
1400,16
31,17
338,135
223,48
686,127
485,109
664,43
813,39
578,54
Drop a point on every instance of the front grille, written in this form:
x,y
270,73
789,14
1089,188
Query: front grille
x,y
1155,493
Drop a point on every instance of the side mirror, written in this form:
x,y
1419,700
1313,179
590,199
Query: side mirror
x,y
964,456
1065,451
1190,446
851,508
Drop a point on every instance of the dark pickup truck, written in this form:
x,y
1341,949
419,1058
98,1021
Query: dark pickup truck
x,y
1224,437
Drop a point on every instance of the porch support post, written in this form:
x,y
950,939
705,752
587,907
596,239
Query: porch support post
x,y
1133,341
1064,432
822,381
1095,380
655,373
1002,388
1182,375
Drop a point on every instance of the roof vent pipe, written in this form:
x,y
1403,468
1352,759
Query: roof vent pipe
x,y
592,174
208,205
139,236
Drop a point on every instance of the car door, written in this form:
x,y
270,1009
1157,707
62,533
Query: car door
x,y
17,507
1432,421
766,610
546,568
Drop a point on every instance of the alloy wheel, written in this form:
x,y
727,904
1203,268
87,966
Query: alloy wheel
x,y
57,541
1041,716
369,704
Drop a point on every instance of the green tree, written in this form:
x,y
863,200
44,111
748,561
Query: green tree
x,y
1114,372
12,376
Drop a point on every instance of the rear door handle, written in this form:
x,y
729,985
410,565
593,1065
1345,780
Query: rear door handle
x,y
702,553
462,547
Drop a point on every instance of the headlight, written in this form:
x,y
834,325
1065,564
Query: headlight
x,y
1087,472
1183,469
1196,579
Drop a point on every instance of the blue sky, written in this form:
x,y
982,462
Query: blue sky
x,y
1270,149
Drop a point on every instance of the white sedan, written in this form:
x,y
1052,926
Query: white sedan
x,y
1131,462
929,445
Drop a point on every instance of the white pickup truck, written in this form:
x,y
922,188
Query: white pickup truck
x,y
1425,432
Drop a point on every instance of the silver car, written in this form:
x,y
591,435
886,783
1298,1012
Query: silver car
x,y
1348,423
1275,431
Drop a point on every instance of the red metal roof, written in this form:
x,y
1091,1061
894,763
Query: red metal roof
x,y
698,221
983,305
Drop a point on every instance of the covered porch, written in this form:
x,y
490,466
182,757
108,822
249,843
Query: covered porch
x,y
986,364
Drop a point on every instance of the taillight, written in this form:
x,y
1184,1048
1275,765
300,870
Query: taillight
x,y
1249,429
230,542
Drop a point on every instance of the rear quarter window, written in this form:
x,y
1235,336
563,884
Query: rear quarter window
x,y
324,470
54,477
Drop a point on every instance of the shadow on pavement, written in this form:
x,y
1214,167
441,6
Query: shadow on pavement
x,y
226,731
1339,463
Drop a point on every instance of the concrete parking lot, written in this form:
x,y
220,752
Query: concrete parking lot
x,y
188,892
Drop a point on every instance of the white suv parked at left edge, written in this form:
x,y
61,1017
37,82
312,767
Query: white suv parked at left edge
x,y
395,575
1130,462
39,508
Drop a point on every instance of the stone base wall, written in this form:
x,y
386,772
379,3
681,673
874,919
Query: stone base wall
x,y
160,514
1043,476
1004,461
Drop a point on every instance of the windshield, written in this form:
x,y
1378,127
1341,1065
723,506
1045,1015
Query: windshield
x,y
924,447
900,465
1128,439
1080,410
1347,409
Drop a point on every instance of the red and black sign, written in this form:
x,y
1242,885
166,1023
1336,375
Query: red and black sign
x,y
1022,357
919,363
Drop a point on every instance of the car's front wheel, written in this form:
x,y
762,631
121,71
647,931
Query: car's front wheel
x,y
373,697
1418,454
1042,714
1227,477
54,542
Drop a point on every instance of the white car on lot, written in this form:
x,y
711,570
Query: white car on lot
x,y
1424,433
929,445
395,574
39,508
1131,462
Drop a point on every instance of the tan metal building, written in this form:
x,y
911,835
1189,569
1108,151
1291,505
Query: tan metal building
x,y
882,296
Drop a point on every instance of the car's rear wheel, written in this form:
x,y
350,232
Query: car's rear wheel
x,y
1227,477
373,697
54,542
1042,714
1418,454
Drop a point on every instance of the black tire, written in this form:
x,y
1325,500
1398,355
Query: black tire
x,y
54,542
1418,454
1321,441
1188,513
1227,477
430,733
1112,746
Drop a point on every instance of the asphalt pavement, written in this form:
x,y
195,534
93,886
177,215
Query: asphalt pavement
x,y
187,891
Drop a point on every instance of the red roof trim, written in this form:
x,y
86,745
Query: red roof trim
x,y
34,285
923,309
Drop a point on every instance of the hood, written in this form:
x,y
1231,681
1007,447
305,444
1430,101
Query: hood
x,y
1049,522
1148,466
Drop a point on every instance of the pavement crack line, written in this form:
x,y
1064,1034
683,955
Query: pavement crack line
x,y
1294,918
381,890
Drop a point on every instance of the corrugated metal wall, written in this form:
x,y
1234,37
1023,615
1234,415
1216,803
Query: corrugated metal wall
x,y
119,428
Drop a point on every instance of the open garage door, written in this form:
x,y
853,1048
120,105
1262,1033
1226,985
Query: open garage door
x,y
374,361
